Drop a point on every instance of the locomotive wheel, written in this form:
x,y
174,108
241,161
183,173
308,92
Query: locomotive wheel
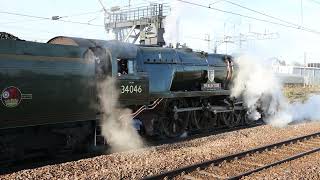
x,y
238,117
174,124
231,119
204,119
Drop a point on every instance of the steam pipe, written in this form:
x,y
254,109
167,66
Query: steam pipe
x,y
149,107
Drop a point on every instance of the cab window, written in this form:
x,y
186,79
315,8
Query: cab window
x,y
125,66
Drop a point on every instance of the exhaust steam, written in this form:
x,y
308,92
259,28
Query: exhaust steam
x,y
117,123
262,94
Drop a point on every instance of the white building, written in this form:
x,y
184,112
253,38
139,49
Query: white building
x,y
297,74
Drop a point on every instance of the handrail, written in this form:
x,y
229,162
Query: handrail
x,y
138,13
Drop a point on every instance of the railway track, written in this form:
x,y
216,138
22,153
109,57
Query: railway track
x,y
236,166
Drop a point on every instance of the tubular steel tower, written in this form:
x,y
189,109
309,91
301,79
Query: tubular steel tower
x,y
144,23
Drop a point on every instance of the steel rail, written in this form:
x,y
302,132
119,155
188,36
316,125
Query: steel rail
x,y
193,167
274,164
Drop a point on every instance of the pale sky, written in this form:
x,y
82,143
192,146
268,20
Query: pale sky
x,y
195,22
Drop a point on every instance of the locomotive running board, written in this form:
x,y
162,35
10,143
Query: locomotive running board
x,y
214,109
179,94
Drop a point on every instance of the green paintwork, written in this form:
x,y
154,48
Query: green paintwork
x,y
61,81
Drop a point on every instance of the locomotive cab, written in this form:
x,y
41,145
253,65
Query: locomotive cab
x,y
133,86
117,60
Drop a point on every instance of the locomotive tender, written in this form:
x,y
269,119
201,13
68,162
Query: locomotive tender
x,y
49,92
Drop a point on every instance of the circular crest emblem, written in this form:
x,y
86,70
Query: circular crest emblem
x,y
11,97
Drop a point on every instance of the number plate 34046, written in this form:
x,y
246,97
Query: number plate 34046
x,y
131,89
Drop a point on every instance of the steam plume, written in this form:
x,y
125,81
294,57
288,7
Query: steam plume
x,y
262,93
298,112
116,123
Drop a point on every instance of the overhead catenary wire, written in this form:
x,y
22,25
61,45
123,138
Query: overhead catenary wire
x,y
250,17
24,15
82,14
51,19
103,7
82,23
21,21
261,13
44,18
270,16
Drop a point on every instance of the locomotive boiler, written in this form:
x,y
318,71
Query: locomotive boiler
x,y
50,101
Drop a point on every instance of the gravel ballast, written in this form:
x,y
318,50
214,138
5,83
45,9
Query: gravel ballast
x,y
256,160
307,167
148,161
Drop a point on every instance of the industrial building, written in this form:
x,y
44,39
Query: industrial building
x,y
298,74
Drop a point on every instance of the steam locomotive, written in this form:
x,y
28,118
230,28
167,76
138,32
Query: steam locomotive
x,y
49,94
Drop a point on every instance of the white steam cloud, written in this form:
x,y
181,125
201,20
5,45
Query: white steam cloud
x,y
116,123
258,86
262,94
297,112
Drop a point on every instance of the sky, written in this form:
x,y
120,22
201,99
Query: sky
x,y
195,24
